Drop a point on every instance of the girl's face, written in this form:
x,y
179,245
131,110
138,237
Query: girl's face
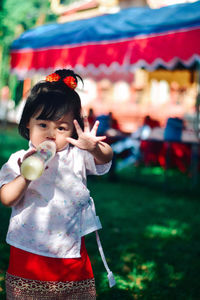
x,y
57,131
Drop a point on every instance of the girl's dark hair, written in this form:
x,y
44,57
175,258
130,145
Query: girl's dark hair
x,y
52,100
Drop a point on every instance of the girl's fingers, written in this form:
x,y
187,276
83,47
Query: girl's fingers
x,y
29,154
71,141
19,162
86,124
78,127
95,127
101,138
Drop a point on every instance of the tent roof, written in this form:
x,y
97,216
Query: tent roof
x,y
133,37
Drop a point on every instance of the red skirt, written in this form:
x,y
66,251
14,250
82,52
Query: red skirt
x,y
41,277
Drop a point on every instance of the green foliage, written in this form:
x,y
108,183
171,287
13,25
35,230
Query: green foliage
x,y
24,13
15,17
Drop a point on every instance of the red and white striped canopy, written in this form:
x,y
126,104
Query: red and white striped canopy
x,y
112,43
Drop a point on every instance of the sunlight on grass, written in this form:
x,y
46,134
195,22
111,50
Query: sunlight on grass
x,y
135,280
121,282
154,170
141,274
172,229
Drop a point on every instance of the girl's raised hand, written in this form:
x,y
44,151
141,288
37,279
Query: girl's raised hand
x,y
87,138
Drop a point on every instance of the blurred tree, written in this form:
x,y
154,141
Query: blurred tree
x,y
15,17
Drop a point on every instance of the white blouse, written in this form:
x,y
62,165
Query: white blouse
x,y
56,210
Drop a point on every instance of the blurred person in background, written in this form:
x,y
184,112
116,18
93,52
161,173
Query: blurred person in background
x,y
91,117
7,105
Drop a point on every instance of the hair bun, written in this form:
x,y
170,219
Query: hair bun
x,y
67,76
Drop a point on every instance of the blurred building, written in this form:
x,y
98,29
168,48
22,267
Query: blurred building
x,y
82,9
160,94
161,3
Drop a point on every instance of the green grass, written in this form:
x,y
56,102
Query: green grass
x,y
10,142
151,240
150,234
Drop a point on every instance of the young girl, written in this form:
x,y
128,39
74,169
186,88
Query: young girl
x,y
52,214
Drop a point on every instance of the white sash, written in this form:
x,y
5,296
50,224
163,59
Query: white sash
x,y
110,275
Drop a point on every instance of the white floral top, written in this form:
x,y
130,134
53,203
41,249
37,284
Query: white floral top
x,y
56,210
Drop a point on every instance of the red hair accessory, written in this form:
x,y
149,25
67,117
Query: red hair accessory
x,y
53,77
70,81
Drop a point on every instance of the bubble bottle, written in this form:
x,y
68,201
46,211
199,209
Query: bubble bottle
x,y
33,166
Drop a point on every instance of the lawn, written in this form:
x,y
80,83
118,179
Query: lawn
x,y
150,233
